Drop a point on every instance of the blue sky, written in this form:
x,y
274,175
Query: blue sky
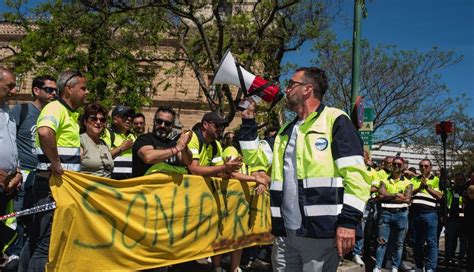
x,y
415,24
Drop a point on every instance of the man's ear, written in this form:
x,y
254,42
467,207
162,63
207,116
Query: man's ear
x,y
308,90
36,91
204,125
66,92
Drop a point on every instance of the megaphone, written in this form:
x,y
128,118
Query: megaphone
x,y
230,72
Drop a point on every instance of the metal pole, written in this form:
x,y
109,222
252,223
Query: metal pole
x,y
444,181
356,52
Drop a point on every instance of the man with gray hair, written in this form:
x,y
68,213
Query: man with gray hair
x,y
58,149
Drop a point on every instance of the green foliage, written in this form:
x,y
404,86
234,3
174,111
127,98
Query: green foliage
x,y
104,42
402,86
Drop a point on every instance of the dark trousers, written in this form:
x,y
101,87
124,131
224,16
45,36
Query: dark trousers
x,y
23,200
470,250
426,226
34,254
455,232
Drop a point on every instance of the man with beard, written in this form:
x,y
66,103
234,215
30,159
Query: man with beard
x,y
384,173
318,190
155,152
207,151
395,194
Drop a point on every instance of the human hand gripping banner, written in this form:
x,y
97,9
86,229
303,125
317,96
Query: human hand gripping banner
x,y
151,221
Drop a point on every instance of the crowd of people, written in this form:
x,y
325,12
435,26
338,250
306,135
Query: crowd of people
x,y
406,210
314,168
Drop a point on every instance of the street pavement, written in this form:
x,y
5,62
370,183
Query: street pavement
x,y
346,265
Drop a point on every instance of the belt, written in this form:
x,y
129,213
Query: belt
x,y
43,173
394,210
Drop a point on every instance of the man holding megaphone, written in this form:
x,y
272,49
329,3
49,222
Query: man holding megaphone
x,y
230,72
318,189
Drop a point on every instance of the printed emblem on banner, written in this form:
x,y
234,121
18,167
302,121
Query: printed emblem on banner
x,y
321,144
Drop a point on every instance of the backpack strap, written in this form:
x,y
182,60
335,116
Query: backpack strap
x,y
200,138
23,114
214,149
112,137
201,142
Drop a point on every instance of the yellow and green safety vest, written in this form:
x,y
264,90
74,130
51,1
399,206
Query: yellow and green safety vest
x,y
123,163
423,199
204,152
59,117
396,186
330,170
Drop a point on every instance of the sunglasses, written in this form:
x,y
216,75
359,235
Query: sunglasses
x,y
94,119
159,121
292,83
424,166
49,90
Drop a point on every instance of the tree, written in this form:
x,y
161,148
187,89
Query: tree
x,y
106,43
402,86
258,33
117,42
460,144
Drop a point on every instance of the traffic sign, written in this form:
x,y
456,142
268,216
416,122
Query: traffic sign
x,y
369,115
367,137
367,126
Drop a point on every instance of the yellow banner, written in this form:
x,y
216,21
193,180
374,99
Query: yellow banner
x,y
151,221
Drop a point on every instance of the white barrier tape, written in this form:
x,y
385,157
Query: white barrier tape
x,y
37,209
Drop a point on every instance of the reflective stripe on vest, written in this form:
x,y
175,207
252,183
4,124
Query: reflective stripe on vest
x,y
216,160
249,145
349,161
267,150
394,205
321,209
326,210
322,182
70,158
316,182
424,199
123,165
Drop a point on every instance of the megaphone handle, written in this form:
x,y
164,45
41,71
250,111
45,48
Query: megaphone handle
x,y
263,87
243,88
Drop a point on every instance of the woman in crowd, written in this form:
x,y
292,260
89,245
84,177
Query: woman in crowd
x,y
95,155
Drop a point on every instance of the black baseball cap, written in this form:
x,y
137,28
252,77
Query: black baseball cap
x,y
215,118
122,111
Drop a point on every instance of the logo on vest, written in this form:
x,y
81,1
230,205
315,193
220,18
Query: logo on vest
x,y
321,144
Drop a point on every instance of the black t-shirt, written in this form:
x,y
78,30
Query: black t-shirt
x,y
139,166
